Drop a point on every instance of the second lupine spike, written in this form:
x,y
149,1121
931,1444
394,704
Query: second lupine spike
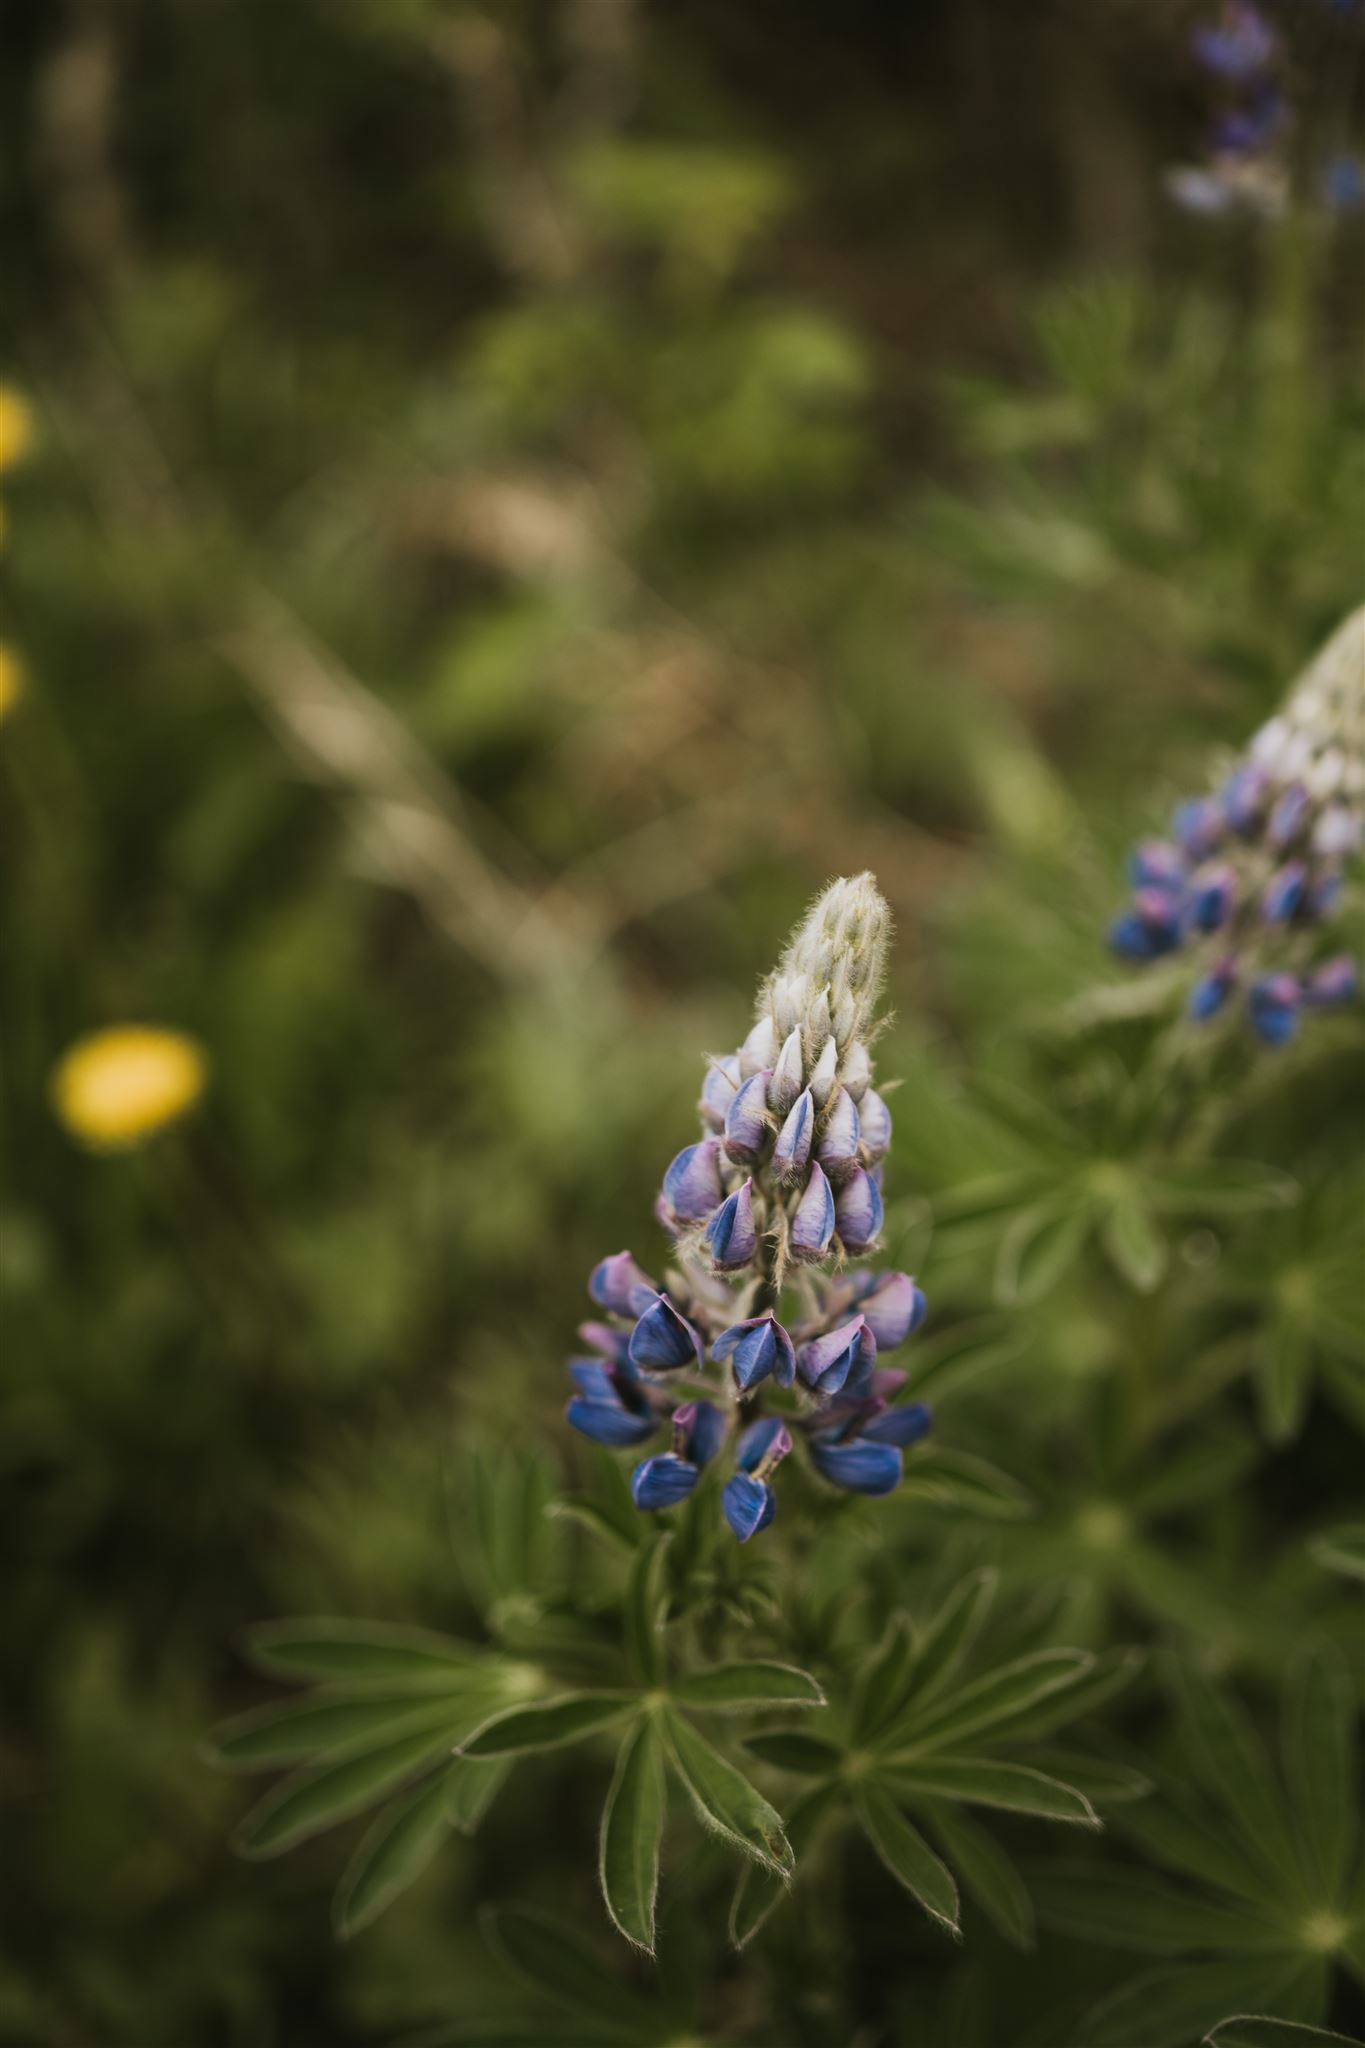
x,y
782,1187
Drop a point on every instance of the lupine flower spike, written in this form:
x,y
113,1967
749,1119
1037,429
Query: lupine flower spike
x,y
1251,875
757,1335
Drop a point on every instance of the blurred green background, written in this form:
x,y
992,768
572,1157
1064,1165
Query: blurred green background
x,y
520,495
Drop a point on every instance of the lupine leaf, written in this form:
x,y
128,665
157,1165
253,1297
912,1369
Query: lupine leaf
x,y
1342,1549
645,1599
362,1653
978,1781
1135,1242
1219,1187
986,1874
989,1703
1202,1469
1170,2007
1037,1251
1230,1759
733,1688
316,1730
1182,1842
760,1888
588,1514
632,1823
968,1352
906,1854
1109,1673
724,1799
1284,1363
959,1479
941,1650
546,1725
1248,2030
1320,1761
791,1749
310,1802
1104,1782
1129,1910
884,1683
391,1856
560,1966
993,1195
470,1789
1023,1114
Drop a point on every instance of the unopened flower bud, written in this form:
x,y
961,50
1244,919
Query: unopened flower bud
x,y
875,1119
812,1226
847,1353
718,1090
1284,892
785,1085
1274,1007
1211,896
619,1286
746,1120
1210,993
663,1340
837,1150
1293,809
892,1309
823,1073
757,1349
855,1070
731,1235
792,1149
858,1213
1333,983
692,1184
759,1048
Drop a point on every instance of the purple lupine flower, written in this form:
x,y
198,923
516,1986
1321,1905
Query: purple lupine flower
x,y
792,1150
746,1120
1199,826
1333,983
875,1118
787,1075
1343,183
619,1286
692,1184
892,1308
858,1213
611,1406
731,1233
1284,892
757,1348
841,1357
1291,815
1157,864
718,1091
1242,46
1212,990
837,1150
1337,833
748,1501
860,1445
666,1480
663,1340
1212,892
1274,1005
1244,798
812,1224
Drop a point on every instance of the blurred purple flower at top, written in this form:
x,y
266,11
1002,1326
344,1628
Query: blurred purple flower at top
x,y
1274,1006
1240,47
1343,183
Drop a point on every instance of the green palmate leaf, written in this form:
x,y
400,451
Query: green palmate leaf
x,y
1024,1114
561,1967
989,1703
940,1651
957,1479
549,1724
732,1688
470,1789
724,1799
1170,2007
1109,1673
645,1603
390,1857
589,1515
1253,2030
1283,1359
760,1889
362,1653
968,1352
884,1685
790,1749
1038,1250
1342,1549
979,1782
1135,1242
1200,1470
1345,1384
986,1874
906,1854
1320,1763
1104,1782
996,1194
1231,1762
1219,1187
1183,1843
316,1730
306,1804
632,1823
1129,1910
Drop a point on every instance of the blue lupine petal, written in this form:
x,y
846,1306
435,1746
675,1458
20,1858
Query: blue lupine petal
x,y
1211,895
792,1149
718,1090
746,1120
663,1481
692,1184
1242,47
1293,809
1199,826
900,1426
748,1505
1157,863
813,1224
859,1467
618,1285
607,1422
606,1338
1212,990
1274,1008
731,1234
593,1377
876,1126
858,1213
826,1362
893,1308
663,1340
764,1444
1334,982
758,1347
701,1427
1284,892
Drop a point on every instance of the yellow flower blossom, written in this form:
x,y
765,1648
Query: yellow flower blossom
x,y
16,427
11,680
116,1087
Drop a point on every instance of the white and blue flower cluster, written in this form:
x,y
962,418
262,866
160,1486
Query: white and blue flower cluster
x,y
1252,874
782,1188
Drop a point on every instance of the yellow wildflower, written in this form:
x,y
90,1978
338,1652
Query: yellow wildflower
x,y
11,681
116,1087
16,427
